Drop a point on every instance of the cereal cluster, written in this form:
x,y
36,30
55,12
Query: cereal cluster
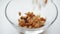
x,y
31,20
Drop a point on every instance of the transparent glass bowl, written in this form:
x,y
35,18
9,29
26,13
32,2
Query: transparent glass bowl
x,y
49,11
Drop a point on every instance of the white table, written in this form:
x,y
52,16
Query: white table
x,y
7,28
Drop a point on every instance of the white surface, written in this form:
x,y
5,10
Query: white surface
x,y
7,28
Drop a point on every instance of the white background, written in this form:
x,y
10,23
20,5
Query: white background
x,y
7,28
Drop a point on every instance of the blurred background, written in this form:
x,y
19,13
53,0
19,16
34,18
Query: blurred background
x,y
7,28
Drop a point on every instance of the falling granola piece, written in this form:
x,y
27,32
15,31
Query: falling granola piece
x,y
45,1
19,13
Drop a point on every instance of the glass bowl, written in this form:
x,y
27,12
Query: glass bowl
x,y
48,11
